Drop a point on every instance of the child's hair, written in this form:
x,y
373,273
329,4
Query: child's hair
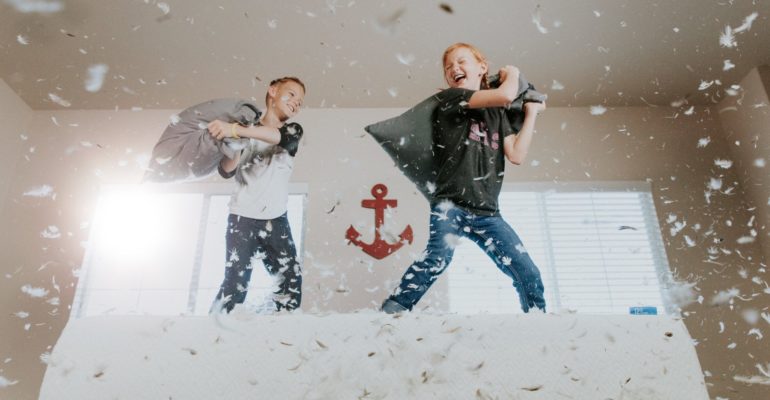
x,y
281,81
476,53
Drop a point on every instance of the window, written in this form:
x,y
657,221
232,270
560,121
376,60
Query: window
x,y
160,250
597,245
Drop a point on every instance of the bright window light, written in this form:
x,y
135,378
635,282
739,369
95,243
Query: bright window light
x,y
160,250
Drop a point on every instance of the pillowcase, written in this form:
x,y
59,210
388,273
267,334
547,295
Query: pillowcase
x,y
408,138
526,93
186,151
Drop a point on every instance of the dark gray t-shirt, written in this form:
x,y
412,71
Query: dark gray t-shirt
x,y
468,144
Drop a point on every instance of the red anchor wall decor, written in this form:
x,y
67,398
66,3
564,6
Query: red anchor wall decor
x,y
379,249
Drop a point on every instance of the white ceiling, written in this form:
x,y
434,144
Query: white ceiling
x,y
358,53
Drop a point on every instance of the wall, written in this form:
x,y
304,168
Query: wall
x,y
745,120
662,146
14,116
79,150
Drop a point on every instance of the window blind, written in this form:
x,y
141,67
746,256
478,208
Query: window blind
x,y
598,249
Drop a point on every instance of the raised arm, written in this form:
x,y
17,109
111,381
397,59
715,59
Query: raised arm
x,y
228,165
516,146
221,130
502,95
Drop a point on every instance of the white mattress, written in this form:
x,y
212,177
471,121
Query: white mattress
x,y
375,356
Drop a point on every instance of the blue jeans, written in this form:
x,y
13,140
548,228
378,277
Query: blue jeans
x,y
492,234
271,241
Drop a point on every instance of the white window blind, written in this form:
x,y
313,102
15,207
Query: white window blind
x,y
598,248
160,250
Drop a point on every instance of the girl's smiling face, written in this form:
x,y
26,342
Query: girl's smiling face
x,y
462,69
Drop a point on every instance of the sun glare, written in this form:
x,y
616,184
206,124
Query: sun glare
x,y
129,223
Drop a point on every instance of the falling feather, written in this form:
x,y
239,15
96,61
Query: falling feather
x,y
36,6
95,78
598,110
34,292
5,382
724,296
58,100
40,191
536,19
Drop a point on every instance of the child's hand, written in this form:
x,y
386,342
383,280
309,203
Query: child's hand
x,y
220,129
534,107
508,71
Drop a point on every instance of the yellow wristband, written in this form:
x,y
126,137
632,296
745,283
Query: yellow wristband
x,y
233,133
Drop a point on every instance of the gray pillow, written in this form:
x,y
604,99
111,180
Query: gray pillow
x,y
408,138
527,93
186,150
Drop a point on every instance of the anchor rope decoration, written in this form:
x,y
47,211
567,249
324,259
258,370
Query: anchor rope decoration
x,y
379,248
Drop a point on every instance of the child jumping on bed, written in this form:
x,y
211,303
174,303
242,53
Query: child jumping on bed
x,y
258,227
472,138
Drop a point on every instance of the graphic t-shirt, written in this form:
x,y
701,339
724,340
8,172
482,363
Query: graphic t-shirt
x,y
468,144
262,177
